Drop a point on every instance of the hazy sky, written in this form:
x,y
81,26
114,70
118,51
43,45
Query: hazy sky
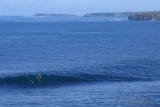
x,y
79,7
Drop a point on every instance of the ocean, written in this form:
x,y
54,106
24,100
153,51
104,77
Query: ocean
x,y
82,63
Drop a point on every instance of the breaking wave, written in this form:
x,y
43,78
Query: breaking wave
x,y
129,71
46,79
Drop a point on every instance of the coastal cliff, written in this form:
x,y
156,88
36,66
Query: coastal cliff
x,y
145,16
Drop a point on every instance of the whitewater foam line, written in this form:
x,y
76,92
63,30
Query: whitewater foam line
x,y
48,79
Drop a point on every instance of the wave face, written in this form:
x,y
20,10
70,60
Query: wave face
x,y
44,79
130,71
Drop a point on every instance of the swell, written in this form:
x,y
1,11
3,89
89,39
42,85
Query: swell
x,y
139,70
46,79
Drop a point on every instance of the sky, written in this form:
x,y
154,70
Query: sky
x,y
78,7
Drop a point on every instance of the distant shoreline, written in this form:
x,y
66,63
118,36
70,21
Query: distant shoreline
x,y
55,15
132,16
145,16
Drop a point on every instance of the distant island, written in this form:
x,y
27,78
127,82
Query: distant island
x,y
145,16
54,15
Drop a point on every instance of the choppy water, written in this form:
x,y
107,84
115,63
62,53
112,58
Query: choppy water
x,y
79,63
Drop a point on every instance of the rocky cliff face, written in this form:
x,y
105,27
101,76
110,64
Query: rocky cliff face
x,y
145,16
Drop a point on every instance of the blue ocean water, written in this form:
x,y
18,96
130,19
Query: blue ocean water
x,y
68,63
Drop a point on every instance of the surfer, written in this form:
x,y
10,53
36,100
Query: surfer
x,y
38,77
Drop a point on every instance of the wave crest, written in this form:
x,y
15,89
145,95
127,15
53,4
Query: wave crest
x,y
46,79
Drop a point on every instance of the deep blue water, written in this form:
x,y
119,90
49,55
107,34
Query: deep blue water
x,y
79,63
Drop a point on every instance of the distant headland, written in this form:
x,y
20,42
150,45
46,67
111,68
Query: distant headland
x,y
133,16
54,15
155,15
